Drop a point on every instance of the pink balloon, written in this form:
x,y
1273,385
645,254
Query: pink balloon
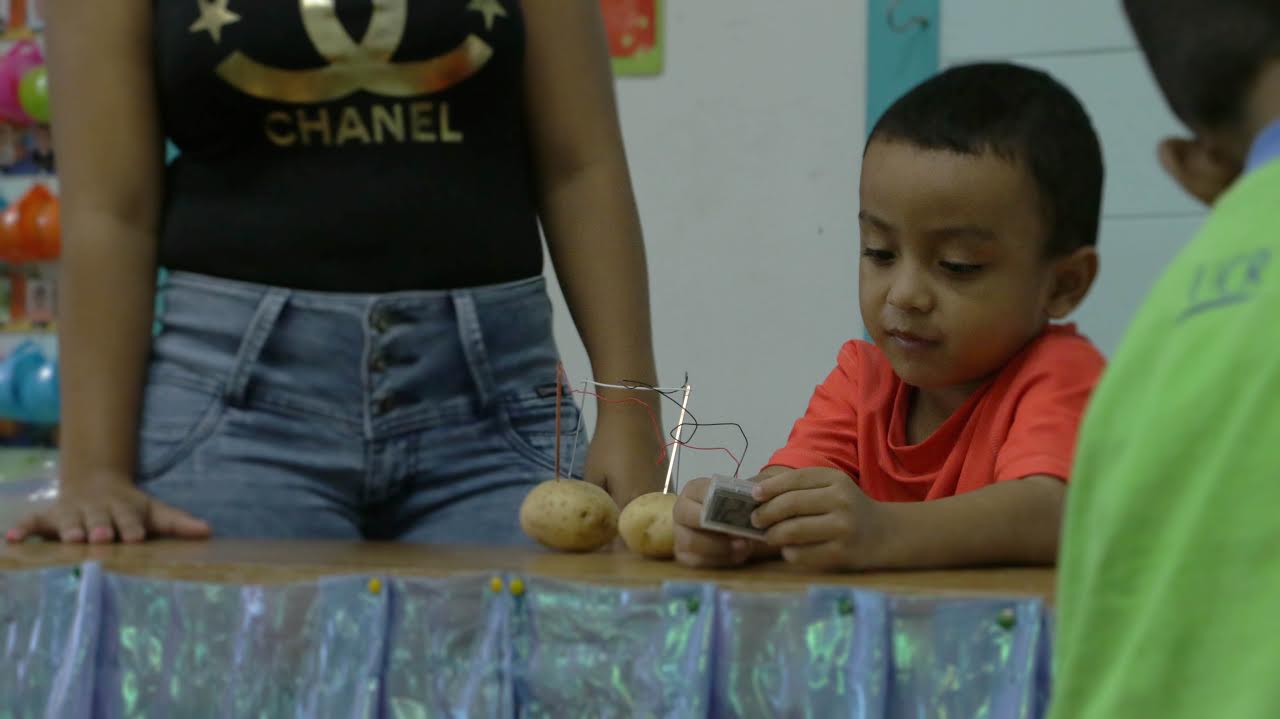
x,y
15,63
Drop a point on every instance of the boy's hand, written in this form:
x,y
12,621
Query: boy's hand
x,y
696,547
820,519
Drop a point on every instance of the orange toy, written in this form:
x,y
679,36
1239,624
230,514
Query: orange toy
x,y
30,229
49,231
10,241
30,206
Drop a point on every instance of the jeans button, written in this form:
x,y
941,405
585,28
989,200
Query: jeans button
x,y
380,321
378,363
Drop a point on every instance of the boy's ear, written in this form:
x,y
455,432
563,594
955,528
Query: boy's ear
x,y
1202,168
1073,275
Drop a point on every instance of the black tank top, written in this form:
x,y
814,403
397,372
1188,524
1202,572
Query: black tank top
x,y
346,145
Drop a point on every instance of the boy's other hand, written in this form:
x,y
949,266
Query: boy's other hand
x,y
820,519
696,547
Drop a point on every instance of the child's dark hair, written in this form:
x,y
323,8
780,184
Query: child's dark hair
x,y
1019,114
1206,54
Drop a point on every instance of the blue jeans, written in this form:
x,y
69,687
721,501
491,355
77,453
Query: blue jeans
x,y
414,416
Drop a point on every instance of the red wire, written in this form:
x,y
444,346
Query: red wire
x,y
653,420
726,450
560,374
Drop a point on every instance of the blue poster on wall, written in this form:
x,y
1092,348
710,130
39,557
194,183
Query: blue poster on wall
x,y
902,50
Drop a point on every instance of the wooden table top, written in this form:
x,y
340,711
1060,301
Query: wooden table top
x,y
262,562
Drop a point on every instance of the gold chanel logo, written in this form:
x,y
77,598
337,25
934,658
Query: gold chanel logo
x,y
354,66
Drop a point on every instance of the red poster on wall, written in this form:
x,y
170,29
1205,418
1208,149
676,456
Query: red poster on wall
x,y
635,35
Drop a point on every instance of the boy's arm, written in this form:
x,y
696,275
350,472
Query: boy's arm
x,y
821,519
1012,522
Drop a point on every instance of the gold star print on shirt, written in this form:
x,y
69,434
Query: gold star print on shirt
x,y
490,9
214,15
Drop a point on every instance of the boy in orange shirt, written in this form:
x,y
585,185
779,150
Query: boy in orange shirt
x,y
980,199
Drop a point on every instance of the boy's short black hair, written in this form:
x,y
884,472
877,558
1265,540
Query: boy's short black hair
x,y
1206,54
1020,114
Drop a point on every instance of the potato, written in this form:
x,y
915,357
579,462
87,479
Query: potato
x,y
570,515
647,527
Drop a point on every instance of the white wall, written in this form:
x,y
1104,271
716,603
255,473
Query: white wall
x,y
744,155
1087,45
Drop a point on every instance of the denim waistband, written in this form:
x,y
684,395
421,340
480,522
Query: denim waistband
x,y
374,363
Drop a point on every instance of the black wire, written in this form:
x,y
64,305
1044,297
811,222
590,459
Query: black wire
x,y
691,420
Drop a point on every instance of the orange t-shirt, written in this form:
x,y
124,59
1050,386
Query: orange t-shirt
x,y
1021,423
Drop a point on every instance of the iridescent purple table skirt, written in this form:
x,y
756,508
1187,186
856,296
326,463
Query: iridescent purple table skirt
x,y
81,642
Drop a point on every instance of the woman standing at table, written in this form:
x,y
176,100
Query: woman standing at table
x,y
356,339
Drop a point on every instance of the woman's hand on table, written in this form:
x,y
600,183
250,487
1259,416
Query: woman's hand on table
x,y
106,509
624,457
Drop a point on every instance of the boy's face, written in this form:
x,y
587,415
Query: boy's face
x,y
953,278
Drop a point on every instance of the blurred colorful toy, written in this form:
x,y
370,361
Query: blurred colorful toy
x,y
30,206
20,59
38,396
49,230
33,94
21,18
30,229
10,223
29,386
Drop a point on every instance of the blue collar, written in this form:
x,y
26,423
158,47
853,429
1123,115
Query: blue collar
x,y
1266,147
